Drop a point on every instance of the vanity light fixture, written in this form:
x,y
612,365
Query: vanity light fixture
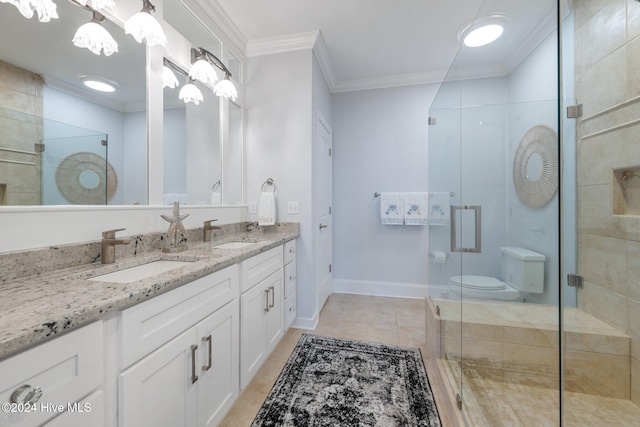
x,y
96,4
98,83
45,9
225,87
168,77
94,36
191,93
144,27
203,71
483,31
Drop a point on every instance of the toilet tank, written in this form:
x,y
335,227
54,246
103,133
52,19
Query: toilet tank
x,y
522,269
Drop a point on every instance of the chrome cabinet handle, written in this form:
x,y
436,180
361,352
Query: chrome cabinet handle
x,y
266,302
26,394
273,296
194,377
207,340
323,226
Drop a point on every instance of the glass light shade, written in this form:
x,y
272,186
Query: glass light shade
x,y
226,89
144,28
483,35
99,85
203,71
190,93
45,9
94,37
168,78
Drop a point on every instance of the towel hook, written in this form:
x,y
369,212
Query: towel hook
x,y
269,181
217,184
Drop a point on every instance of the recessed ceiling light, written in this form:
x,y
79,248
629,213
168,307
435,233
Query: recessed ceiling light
x,y
98,83
483,31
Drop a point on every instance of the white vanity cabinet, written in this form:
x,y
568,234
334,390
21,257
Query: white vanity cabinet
x,y
191,377
65,369
289,283
262,310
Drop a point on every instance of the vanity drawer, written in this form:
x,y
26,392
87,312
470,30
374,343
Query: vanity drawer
x,y
148,325
67,368
259,267
290,251
289,278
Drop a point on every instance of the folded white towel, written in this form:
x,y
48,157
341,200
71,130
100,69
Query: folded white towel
x,y
416,207
216,198
267,210
171,198
439,208
391,209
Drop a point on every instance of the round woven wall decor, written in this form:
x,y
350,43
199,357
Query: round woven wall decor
x,y
535,167
98,176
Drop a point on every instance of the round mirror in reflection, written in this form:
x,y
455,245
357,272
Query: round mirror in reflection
x,y
535,167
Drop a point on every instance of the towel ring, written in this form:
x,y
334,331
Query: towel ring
x,y
269,182
217,184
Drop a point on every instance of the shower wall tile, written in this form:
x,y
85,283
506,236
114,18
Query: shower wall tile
x,y
633,65
633,255
635,381
604,262
606,305
594,212
586,9
596,343
604,84
633,308
605,32
594,373
532,337
633,19
597,157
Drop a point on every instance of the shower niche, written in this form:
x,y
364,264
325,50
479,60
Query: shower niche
x,y
626,191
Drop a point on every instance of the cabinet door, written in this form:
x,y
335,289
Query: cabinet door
x,y
253,306
87,412
219,364
158,391
275,316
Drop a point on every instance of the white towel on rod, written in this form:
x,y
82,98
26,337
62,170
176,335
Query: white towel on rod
x,y
391,209
267,210
439,208
216,198
416,207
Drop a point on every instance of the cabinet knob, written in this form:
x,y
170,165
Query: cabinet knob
x,y
26,394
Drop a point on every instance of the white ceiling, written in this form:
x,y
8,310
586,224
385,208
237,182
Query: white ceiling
x,y
370,41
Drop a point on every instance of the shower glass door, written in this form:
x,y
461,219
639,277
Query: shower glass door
x,y
494,165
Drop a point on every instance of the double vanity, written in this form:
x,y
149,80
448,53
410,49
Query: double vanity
x,y
154,339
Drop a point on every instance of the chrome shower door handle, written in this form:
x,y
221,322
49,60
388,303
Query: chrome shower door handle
x,y
477,247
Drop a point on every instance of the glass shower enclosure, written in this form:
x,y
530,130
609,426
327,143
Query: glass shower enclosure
x,y
532,314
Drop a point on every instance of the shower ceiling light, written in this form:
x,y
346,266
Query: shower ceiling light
x,y
483,31
144,27
98,83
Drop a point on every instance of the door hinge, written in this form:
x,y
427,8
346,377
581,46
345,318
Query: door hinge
x,y
38,147
329,210
432,121
574,111
575,281
104,142
459,400
329,152
329,268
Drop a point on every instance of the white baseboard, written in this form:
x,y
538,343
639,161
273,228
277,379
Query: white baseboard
x,y
383,289
305,322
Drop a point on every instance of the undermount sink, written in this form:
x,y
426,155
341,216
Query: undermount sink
x,y
234,245
140,272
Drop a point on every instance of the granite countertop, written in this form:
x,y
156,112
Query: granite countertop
x,y
34,308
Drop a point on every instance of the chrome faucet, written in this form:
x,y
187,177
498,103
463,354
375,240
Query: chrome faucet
x,y
253,226
109,243
206,230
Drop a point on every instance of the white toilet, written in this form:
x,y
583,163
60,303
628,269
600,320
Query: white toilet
x,y
522,271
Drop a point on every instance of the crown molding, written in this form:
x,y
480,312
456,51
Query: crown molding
x,y
322,54
220,18
281,44
389,81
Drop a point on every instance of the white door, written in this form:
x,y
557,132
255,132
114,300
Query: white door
x,y
219,364
324,167
159,391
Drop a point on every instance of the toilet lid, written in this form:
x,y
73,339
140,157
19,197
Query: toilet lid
x,y
478,282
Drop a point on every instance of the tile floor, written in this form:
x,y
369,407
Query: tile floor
x,y
376,319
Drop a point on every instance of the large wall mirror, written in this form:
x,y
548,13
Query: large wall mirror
x,y
61,142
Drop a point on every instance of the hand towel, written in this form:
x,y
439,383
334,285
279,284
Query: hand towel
x,y
439,208
267,210
416,208
391,209
216,198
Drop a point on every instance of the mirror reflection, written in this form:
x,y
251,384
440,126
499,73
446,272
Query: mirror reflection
x,y
54,117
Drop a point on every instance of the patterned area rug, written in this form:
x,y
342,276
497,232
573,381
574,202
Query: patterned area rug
x,y
331,382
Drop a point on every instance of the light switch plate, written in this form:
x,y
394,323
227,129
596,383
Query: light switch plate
x,y
293,208
252,208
